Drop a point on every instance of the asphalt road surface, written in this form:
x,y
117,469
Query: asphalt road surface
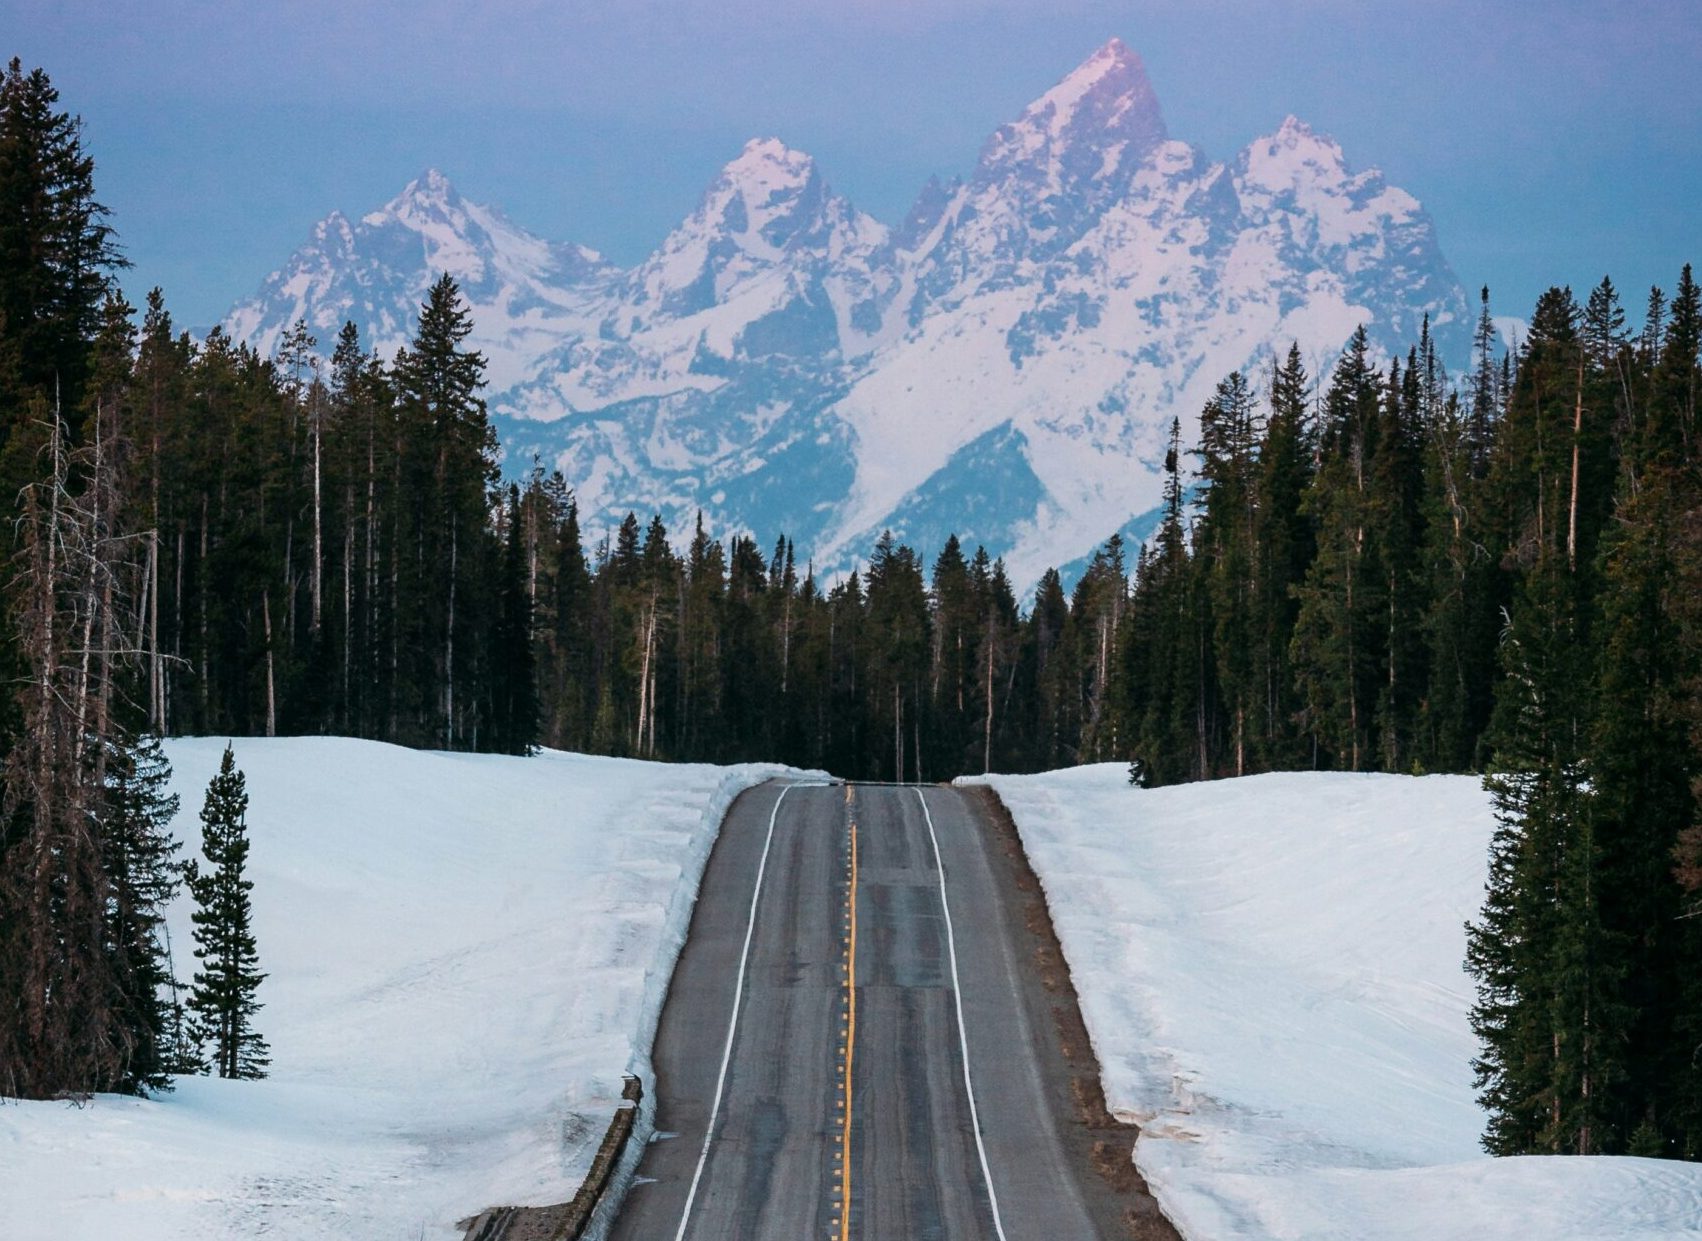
x,y
932,1101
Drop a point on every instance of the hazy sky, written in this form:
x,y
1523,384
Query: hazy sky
x,y
1552,141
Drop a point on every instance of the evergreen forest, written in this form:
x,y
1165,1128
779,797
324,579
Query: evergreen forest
x,y
1385,567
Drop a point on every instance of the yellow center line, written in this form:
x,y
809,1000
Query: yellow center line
x,y
850,1030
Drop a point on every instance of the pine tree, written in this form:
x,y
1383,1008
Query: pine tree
x,y
1484,411
1096,616
996,664
898,639
1647,763
1224,545
57,253
1544,1011
144,875
223,996
1461,587
1338,638
1160,670
452,468
1396,537
1283,548
952,660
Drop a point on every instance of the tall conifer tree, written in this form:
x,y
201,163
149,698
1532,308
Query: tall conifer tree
x,y
223,998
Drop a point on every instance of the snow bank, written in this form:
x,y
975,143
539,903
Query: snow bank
x,y
1270,969
465,953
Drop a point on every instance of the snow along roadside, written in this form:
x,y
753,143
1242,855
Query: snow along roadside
x,y
465,952
660,976
1270,973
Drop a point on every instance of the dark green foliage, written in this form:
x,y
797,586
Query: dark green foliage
x,y
222,997
144,875
1340,634
56,250
1226,551
1161,660
1545,1013
1283,547
898,629
1585,960
328,553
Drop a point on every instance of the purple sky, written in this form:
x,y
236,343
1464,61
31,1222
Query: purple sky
x,y
1552,143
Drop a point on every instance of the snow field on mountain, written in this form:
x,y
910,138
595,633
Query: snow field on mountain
x,y
464,954
1270,970
1087,280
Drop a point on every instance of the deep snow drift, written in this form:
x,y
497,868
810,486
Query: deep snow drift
x,y
465,953
1270,969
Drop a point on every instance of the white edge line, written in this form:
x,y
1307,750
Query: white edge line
x,y
733,1025
962,1033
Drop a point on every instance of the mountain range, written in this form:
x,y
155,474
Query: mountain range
x,y
1003,363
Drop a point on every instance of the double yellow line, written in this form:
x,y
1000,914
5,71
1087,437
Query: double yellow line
x,y
850,1027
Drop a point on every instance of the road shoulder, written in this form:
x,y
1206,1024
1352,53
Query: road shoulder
x,y
1103,1147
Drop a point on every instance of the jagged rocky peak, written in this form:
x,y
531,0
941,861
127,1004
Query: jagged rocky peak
x,y
767,183
429,196
930,205
1295,154
1101,119
768,164
782,361
771,195
1298,171
333,233
768,208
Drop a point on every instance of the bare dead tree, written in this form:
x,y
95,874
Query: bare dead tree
x,y
74,581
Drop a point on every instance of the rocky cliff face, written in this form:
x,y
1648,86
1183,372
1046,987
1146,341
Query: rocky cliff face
x,y
1005,363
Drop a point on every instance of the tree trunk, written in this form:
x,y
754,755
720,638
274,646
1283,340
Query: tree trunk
x,y
318,509
449,645
897,735
1572,504
156,661
271,679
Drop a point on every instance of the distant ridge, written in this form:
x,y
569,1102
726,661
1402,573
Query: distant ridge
x,y
784,362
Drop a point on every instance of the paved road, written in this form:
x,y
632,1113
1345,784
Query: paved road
x,y
941,969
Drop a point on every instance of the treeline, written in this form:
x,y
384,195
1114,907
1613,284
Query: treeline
x,y
203,541
1504,576
319,547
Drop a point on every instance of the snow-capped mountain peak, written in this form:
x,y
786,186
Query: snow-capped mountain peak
x,y
429,196
772,198
768,164
765,239
1295,156
1100,119
377,271
1004,364
1297,169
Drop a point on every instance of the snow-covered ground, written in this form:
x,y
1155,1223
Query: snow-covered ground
x,y
1270,969
465,953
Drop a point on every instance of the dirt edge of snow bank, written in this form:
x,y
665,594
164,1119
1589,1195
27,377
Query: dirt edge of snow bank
x,y
1107,1142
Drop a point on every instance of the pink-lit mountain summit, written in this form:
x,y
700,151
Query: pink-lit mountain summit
x,y
1004,363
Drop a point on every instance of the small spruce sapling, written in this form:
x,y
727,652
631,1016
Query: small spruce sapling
x,y
222,998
